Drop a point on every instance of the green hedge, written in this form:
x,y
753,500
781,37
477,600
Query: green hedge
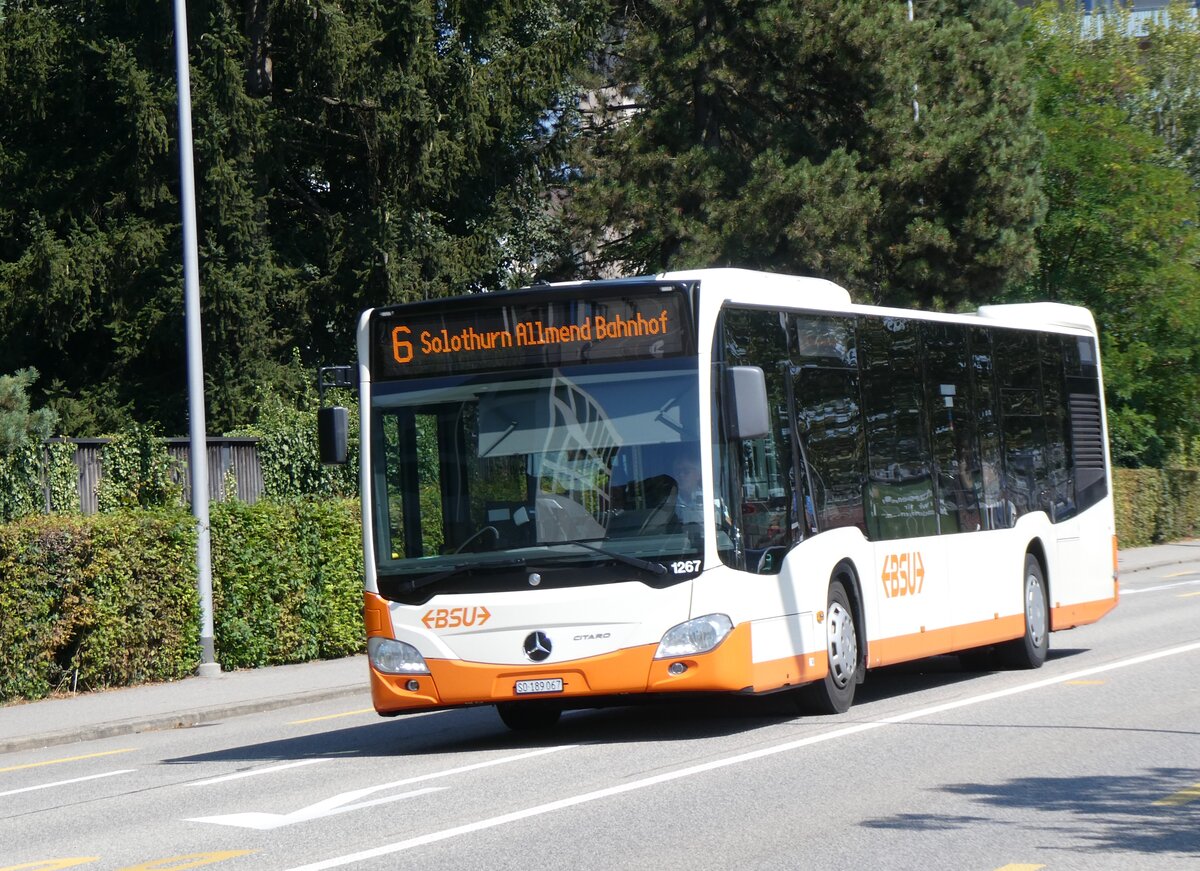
x,y
287,581
1156,505
110,600
95,602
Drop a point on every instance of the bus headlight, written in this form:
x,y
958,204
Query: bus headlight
x,y
395,657
695,636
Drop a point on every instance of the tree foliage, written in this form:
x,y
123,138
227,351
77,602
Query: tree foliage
x,y
784,136
347,154
1121,233
19,423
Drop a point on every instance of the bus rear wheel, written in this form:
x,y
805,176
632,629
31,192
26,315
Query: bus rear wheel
x,y
1030,651
835,693
528,716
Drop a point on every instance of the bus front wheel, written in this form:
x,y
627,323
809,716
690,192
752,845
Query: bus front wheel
x,y
1030,651
835,693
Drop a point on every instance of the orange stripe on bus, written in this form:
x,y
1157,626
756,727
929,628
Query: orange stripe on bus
x,y
1066,616
632,670
790,671
903,648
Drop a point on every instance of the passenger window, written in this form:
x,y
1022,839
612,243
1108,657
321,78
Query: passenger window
x,y
950,400
899,499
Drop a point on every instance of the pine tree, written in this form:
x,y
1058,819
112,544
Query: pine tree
x,y
832,138
348,154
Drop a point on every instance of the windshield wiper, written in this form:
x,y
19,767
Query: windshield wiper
x,y
636,562
459,568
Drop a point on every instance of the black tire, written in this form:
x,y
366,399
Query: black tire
x,y
835,693
528,716
1030,651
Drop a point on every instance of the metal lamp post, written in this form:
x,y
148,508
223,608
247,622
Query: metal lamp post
x,y
198,464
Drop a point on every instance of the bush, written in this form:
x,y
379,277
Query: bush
x,y
110,600
287,452
137,472
96,601
287,581
1156,505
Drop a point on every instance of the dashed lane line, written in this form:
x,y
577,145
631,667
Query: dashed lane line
x,y
67,782
67,759
255,772
1184,796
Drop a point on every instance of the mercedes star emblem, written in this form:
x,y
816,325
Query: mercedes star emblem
x,y
537,646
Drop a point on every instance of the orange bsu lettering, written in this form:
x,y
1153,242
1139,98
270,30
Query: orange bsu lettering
x,y
903,574
453,618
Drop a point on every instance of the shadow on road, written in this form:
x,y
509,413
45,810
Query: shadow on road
x,y
681,719
1104,814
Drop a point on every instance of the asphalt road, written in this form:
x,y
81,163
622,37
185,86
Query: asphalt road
x,y
1092,762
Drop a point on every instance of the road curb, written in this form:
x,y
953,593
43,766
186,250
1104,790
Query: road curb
x,y
1159,565
178,720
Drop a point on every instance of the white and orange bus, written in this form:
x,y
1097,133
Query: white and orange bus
x,y
718,481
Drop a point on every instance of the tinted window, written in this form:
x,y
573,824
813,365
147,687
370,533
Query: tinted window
x,y
899,499
754,475
1059,499
1022,420
829,421
956,466
993,513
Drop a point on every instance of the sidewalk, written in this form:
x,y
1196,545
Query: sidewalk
x,y
1138,559
151,707
195,700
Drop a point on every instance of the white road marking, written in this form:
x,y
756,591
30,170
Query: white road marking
x,y
66,782
254,772
561,804
1125,592
349,801
339,804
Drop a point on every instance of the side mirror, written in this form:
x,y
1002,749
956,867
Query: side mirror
x,y
746,409
332,429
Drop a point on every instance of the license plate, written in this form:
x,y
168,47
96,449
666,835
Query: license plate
x,y
544,685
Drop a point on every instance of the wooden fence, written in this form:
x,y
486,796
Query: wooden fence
x,y
225,455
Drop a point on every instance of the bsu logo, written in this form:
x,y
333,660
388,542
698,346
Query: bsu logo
x,y
903,574
453,618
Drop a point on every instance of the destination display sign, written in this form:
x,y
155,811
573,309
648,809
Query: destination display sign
x,y
495,331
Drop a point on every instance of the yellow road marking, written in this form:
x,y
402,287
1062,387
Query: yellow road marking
x,y
1188,595
1180,574
66,759
332,716
1184,796
51,864
1085,683
1021,868
188,860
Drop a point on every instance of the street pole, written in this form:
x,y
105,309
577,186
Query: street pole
x,y
198,459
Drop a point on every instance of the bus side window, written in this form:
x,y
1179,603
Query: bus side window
x,y
993,513
829,425
899,500
958,476
1022,420
756,507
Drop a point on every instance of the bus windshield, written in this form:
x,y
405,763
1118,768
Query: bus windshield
x,y
568,466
